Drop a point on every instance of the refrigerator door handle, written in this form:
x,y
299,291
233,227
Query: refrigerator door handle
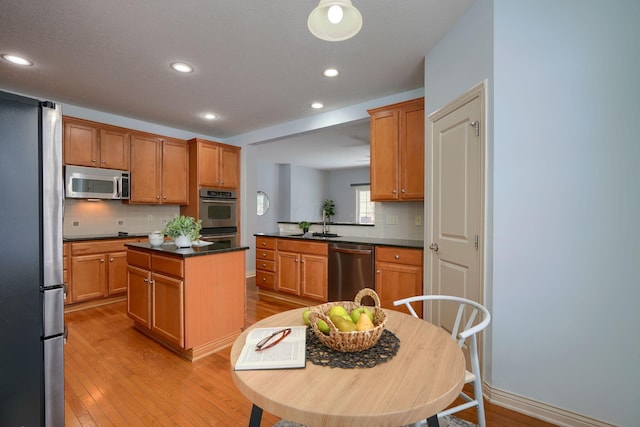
x,y
52,311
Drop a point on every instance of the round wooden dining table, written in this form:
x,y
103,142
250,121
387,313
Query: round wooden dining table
x,y
423,378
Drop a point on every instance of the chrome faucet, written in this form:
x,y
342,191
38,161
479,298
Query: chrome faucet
x,y
324,222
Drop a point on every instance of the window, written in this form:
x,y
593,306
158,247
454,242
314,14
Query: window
x,y
364,206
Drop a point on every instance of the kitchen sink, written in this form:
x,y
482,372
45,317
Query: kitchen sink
x,y
325,235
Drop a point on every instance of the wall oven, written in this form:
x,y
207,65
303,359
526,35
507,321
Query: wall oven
x,y
218,211
221,241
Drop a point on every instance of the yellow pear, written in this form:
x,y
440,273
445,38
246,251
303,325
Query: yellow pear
x,y
364,323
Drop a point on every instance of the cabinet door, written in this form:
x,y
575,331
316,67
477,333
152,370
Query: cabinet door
x,y
412,152
396,281
288,273
89,277
117,273
384,155
314,273
81,144
114,149
168,308
146,169
229,168
139,295
208,164
175,172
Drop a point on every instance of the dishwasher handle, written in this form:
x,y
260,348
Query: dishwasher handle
x,y
352,251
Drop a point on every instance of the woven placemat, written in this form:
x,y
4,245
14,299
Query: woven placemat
x,y
319,354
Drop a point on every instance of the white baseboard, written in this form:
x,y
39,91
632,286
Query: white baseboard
x,y
539,410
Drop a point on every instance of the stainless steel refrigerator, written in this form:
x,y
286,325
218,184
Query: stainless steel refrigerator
x,y
31,271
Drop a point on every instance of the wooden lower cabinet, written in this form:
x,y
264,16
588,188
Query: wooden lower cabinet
x,y
98,269
302,269
398,275
193,305
266,263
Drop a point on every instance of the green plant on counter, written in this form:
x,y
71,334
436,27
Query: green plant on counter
x,y
183,225
329,209
304,225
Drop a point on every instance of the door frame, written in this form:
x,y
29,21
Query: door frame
x,y
477,91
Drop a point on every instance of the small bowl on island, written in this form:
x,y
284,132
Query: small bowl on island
x,y
156,238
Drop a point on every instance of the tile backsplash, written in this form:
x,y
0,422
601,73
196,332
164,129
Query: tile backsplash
x,y
104,217
394,220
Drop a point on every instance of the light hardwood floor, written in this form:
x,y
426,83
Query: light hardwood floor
x,y
115,376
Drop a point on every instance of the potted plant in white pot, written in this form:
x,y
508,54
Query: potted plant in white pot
x,y
183,230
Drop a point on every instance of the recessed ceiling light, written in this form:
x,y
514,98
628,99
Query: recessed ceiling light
x,y
209,116
16,59
330,72
182,67
317,105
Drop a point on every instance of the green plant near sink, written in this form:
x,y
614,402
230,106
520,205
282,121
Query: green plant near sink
x,y
329,209
182,225
304,225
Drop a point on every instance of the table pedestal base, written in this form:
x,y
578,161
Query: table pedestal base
x,y
256,417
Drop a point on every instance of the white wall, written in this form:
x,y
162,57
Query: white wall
x,y
566,200
343,194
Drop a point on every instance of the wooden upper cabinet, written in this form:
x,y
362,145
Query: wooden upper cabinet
x,y
217,165
93,144
159,170
114,149
397,151
175,172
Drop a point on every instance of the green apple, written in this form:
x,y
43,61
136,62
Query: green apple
x,y
323,327
337,310
356,312
305,316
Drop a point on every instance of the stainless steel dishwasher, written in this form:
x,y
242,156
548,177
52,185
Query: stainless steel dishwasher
x,y
351,268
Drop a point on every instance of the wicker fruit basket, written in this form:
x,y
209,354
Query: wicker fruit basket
x,y
349,341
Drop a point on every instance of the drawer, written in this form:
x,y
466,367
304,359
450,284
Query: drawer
x,y
139,259
291,245
167,265
265,280
90,247
399,255
265,255
266,265
265,243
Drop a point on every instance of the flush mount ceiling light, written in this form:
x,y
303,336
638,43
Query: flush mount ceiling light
x,y
182,67
334,20
16,59
317,105
330,72
209,116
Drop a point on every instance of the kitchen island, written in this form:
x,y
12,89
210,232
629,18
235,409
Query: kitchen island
x,y
190,300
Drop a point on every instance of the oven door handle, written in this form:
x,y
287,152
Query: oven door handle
x,y
217,236
217,201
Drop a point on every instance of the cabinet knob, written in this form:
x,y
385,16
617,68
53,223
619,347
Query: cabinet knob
x,y
104,162
377,271
394,191
264,255
403,190
157,197
101,259
397,256
93,160
146,280
110,259
264,265
264,279
264,243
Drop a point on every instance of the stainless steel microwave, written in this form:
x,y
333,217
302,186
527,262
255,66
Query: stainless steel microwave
x,y
96,183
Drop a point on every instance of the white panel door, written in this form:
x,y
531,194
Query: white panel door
x,y
456,204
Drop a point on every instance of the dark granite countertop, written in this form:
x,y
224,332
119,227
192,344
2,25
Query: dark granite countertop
x,y
376,241
105,237
171,249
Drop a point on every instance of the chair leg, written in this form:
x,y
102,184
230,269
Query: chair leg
x,y
256,416
477,394
433,421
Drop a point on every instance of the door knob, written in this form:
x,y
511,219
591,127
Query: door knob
x,y
434,247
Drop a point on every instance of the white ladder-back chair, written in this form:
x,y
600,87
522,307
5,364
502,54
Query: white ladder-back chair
x,y
462,333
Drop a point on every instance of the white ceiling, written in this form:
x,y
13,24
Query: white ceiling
x,y
256,63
